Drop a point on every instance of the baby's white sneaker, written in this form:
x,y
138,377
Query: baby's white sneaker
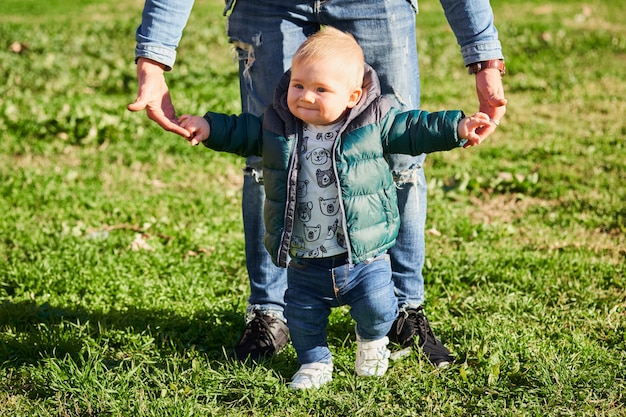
x,y
372,356
312,375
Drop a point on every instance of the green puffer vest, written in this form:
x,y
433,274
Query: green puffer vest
x,y
373,129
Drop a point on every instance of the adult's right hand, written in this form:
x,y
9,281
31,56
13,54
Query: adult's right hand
x,y
154,96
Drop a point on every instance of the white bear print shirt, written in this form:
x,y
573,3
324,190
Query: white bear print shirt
x,y
318,231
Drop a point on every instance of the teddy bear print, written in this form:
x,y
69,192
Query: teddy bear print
x,y
324,177
341,240
301,191
325,136
332,230
304,210
329,206
312,233
297,242
313,253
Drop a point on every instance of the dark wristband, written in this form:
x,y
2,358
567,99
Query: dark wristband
x,y
477,67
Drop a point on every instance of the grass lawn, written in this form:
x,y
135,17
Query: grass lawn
x,y
122,272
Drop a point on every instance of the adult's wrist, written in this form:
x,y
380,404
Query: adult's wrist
x,y
476,67
150,65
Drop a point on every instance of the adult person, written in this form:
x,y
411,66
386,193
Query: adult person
x,y
266,33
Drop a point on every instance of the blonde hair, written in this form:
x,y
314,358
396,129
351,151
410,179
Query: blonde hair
x,y
331,44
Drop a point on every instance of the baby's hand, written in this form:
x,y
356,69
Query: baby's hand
x,y
198,128
468,126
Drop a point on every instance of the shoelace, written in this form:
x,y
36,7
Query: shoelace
x,y
260,329
418,320
425,329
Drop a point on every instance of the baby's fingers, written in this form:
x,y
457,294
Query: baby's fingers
x,y
473,139
184,120
481,118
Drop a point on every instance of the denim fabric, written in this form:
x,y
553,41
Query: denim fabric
x,y
163,22
474,28
267,281
266,33
317,285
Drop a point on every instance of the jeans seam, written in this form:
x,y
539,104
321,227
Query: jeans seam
x,y
336,289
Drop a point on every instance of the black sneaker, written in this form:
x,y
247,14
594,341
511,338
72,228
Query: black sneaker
x,y
263,336
411,324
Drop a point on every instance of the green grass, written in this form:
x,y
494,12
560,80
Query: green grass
x,y
122,274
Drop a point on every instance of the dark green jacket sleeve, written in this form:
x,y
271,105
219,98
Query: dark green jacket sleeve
x,y
417,131
241,135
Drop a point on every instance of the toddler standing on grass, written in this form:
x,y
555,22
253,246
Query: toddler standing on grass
x,y
331,210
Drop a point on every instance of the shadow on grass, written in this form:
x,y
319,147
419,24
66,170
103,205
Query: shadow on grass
x,y
31,332
46,352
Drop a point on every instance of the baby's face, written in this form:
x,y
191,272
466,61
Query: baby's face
x,y
319,93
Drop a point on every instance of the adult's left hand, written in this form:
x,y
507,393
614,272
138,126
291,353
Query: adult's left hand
x,y
491,99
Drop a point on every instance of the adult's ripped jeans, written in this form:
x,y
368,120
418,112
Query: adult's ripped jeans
x,y
266,33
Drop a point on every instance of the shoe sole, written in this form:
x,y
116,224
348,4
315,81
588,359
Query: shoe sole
x,y
399,354
402,353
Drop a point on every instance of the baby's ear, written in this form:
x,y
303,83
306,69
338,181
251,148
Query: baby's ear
x,y
355,96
